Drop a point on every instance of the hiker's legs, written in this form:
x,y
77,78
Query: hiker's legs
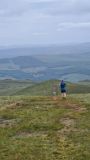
x,y
63,95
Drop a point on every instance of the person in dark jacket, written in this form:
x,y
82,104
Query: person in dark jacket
x,y
63,88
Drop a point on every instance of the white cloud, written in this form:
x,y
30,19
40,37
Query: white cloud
x,y
28,20
69,7
52,7
39,34
73,25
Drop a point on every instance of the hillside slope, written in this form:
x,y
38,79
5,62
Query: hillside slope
x,y
26,87
9,87
46,88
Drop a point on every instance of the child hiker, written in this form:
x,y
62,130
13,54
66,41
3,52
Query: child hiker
x,y
62,86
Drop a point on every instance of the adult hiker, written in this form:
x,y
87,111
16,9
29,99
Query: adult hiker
x,y
62,86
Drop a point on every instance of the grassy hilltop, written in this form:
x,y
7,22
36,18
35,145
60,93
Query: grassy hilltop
x,y
27,87
46,87
34,125
41,128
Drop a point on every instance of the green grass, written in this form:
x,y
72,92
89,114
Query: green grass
x,y
27,87
44,128
9,87
45,88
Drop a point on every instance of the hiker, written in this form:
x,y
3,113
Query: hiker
x,y
54,89
62,86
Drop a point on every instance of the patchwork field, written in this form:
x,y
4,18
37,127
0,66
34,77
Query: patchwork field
x,y
45,128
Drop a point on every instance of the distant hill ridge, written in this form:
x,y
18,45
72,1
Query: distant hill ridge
x,y
46,88
22,61
26,87
71,63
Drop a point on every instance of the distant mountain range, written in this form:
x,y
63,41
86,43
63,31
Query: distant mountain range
x,y
79,48
71,63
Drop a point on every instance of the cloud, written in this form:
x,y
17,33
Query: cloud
x,y
23,21
63,7
19,7
73,25
39,34
12,7
49,7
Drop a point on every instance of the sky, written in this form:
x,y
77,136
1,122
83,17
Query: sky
x,y
44,22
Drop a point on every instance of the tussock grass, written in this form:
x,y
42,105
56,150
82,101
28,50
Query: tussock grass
x,y
44,128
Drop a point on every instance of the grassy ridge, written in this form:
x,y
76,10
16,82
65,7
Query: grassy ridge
x,y
9,87
46,88
27,87
42,128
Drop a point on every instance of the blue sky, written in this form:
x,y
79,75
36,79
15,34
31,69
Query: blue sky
x,y
43,22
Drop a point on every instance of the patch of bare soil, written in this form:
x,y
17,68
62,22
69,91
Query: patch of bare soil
x,y
16,104
67,122
68,126
13,105
8,122
30,134
76,107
